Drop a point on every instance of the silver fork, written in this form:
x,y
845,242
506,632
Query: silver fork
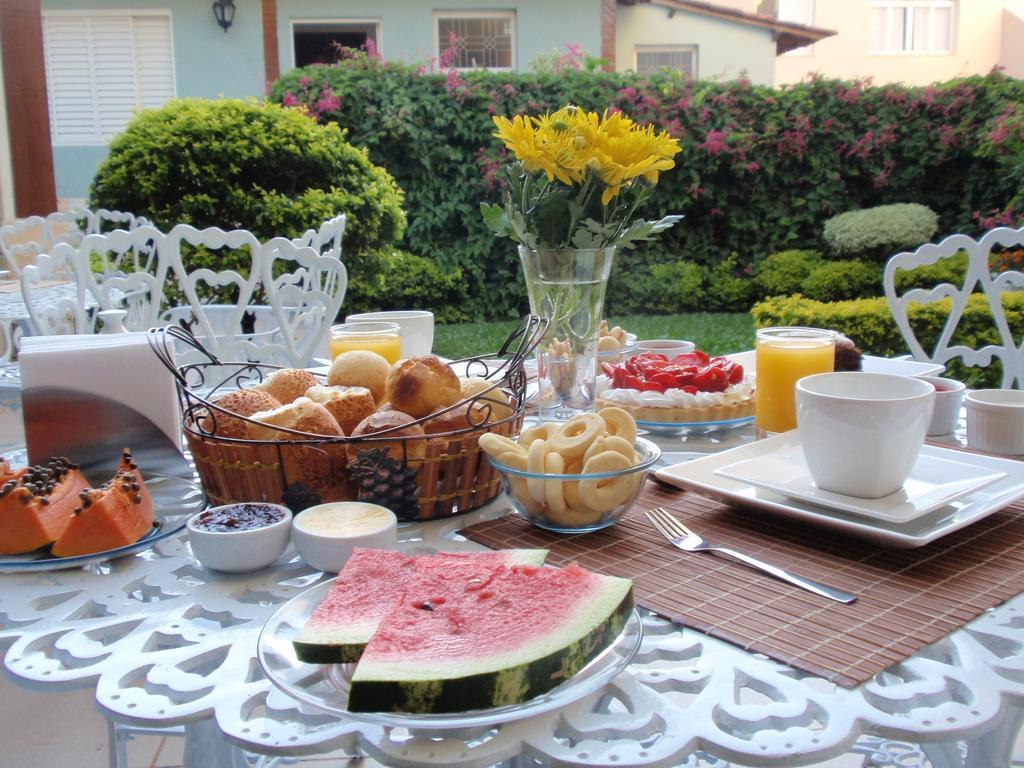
x,y
682,537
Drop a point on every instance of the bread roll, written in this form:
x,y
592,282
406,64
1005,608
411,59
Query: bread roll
x,y
421,385
244,402
360,368
495,398
349,405
413,451
287,384
303,415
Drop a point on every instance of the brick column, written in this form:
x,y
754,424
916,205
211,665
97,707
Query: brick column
x,y
608,33
28,116
271,55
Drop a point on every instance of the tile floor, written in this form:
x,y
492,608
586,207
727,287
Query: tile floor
x,y
27,719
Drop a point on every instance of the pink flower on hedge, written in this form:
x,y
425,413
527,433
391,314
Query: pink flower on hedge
x,y
714,143
753,166
628,93
289,99
947,136
304,82
328,102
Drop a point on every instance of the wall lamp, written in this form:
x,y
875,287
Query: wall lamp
x,y
224,11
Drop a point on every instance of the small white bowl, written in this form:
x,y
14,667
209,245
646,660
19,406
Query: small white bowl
x,y
326,534
995,420
949,395
667,347
241,549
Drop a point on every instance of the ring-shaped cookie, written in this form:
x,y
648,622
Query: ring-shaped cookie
x,y
554,464
611,443
572,438
495,444
619,423
573,518
606,493
513,459
571,488
535,464
538,432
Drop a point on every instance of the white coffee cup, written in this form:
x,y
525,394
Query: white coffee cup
x,y
417,328
949,395
862,432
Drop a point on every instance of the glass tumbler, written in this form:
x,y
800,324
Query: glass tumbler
x,y
785,355
383,338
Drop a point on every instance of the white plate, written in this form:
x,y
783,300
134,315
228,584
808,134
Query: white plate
x,y
325,686
933,483
871,364
699,475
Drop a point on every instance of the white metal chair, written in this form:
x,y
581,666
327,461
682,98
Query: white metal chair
x,y
978,279
278,313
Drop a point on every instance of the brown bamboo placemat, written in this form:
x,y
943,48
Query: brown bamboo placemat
x,y
907,598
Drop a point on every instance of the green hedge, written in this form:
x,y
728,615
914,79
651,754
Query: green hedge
x,y
869,323
761,170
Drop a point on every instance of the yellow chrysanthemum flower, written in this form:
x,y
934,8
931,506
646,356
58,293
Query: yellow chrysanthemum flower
x,y
520,138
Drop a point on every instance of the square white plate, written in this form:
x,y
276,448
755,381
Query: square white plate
x,y
699,475
871,363
933,483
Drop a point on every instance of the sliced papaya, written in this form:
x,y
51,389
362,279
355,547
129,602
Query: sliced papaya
x,y
118,514
36,504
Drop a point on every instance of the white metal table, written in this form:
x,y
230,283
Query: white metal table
x,y
167,643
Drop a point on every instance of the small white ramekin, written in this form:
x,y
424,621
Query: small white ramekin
x,y
326,534
244,550
995,420
949,395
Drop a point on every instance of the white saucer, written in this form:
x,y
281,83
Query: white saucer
x,y
699,475
934,482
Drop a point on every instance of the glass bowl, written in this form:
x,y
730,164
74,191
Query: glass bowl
x,y
565,509
618,355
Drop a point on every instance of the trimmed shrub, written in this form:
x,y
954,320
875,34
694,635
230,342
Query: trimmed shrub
x,y
400,280
231,163
952,269
878,233
782,274
842,280
728,290
869,323
659,289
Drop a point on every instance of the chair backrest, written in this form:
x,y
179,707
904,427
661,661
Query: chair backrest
x,y
326,240
278,312
979,278
57,294
22,241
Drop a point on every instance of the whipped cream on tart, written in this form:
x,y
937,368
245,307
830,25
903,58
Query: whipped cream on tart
x,y
689,388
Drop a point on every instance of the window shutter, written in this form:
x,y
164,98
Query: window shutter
x,y
100,69
797,11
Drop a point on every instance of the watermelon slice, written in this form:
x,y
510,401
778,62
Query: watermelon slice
x,y
454,643
370,583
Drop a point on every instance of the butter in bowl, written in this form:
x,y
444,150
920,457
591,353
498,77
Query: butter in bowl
x,y
325,535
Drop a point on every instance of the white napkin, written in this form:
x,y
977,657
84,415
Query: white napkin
x,y
120,366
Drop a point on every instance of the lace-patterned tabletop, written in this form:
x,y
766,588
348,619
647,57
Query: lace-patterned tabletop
x,y
166,642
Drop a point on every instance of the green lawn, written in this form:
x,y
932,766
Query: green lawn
x,y
715,333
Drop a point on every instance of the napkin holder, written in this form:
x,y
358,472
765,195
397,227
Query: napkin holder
x,y
90,415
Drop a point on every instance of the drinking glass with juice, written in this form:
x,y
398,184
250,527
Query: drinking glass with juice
x,y
785,355
383,338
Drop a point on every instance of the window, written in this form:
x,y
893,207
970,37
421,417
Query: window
x,y
480,40
101,68
912,26
797,12
653,58
317,42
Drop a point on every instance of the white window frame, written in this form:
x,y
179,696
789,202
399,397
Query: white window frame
x,y
669,48
908,25
460,14
377,22
130,12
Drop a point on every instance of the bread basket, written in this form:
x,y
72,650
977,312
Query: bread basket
x,y
307,469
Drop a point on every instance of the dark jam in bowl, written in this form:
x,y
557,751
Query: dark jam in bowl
x,y
238,517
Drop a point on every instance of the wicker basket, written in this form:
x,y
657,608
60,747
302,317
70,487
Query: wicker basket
x,y
453,477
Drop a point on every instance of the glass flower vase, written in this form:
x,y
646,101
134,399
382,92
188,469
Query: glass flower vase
x,y
566,286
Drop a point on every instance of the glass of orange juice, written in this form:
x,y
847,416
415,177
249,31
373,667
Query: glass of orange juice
x,y
785,355
383,338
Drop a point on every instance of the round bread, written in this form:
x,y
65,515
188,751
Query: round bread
x,y
413,450
303,415
287,384
421,385
244,402
349,405
360,368
495,398
452,421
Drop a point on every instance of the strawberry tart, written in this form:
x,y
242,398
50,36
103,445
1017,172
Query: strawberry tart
x,y
687,389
